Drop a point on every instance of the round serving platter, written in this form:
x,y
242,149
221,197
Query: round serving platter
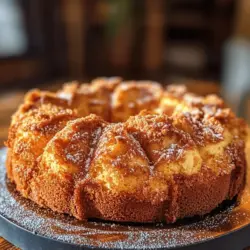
x,y
28,226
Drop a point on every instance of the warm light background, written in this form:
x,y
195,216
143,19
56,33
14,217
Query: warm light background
x,y
202,43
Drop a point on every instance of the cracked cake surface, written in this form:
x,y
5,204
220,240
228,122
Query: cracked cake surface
x,y
128,151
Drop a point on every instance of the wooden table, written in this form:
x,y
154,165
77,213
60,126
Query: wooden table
x,y
5,245
8,103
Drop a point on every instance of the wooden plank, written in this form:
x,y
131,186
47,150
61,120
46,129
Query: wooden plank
x,y
5,245
242,21
20,69
72,13
154,34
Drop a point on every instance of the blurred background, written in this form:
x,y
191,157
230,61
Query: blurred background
x,y
202,43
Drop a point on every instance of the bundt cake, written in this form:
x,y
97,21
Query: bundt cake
x,y
126,151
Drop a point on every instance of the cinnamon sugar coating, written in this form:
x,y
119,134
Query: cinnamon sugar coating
x,y
126,151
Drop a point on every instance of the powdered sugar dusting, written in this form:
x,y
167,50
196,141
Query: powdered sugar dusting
x,y
117,236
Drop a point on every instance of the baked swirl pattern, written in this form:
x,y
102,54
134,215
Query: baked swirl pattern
x,y
126,151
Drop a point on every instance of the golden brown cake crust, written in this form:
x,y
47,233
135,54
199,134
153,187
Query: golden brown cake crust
x,y
126,151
